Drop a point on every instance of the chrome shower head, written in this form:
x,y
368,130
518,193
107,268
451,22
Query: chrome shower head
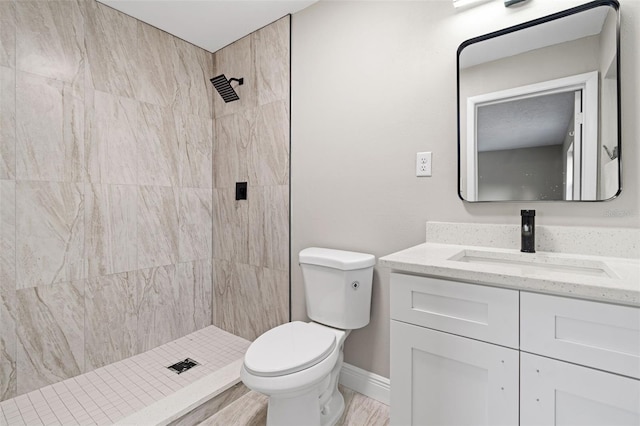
x,y
223,86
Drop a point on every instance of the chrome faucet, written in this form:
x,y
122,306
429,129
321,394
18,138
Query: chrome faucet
x,y
528,231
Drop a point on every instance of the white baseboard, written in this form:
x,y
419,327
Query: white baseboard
x,y
366,383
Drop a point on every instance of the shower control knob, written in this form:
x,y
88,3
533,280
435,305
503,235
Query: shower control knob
x,y
355,285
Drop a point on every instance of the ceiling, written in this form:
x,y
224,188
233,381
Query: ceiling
x,y
525,123
209,24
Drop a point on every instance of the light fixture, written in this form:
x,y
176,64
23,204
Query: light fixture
x,y
508,3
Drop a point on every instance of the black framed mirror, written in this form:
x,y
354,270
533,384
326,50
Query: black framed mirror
x,y
539,109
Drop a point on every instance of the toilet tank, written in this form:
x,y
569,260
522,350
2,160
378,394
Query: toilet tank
x,y
337,286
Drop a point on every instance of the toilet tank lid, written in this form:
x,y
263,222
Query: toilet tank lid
x,y
337,259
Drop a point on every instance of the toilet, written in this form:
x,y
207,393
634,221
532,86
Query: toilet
x,y
297,365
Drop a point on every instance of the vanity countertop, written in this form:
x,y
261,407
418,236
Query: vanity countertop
x,y
620,283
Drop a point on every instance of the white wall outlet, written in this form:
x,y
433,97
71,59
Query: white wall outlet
x,y
423,164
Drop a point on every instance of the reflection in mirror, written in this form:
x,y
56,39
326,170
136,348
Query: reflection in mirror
x,y
539,109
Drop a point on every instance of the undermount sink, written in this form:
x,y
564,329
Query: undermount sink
x,y
529,263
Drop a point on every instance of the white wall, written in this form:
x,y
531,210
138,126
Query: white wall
x,y
372,84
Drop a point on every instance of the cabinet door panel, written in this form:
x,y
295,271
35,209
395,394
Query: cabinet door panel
x,y
558,393
485,313
594,334
442,379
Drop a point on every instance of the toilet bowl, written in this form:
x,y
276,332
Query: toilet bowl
x,y
297,365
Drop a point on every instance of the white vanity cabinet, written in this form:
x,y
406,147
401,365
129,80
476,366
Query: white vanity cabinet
x,y
469,354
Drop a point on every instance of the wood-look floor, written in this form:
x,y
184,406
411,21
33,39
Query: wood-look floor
x,y
251,410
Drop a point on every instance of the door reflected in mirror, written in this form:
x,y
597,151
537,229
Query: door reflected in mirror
x,y
538,109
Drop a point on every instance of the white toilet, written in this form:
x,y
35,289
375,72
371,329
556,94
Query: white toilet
x,y
297,364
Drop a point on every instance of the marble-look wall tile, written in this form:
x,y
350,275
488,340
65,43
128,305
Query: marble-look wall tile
x,y
111,319
158,153
230,227
173,300
241,293
7,123
195,91
50,127
106,158
236,61
195,138
7,233
50,39
111,42
237,306
110,228
271,45
158,307
8,304
222,302
251,143
196,284
8,366
232,136
50,333
157,226
111,147
274,288
269,226
49,233
157,66
7,34
269,150
195,223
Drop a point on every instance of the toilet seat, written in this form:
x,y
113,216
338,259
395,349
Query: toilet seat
x,y
289,348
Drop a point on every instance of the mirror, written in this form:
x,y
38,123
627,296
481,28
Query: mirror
x,y
538,109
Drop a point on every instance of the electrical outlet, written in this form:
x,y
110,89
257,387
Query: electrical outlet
x,y
423,164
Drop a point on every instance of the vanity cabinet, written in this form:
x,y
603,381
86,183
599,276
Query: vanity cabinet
x,y
469,354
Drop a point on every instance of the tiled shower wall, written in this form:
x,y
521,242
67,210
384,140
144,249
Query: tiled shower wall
x,y
105,189
251,238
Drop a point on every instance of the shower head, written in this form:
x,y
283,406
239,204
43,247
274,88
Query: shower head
x,y
223,86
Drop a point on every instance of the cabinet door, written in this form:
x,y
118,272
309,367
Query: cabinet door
x,y
442,379
558,393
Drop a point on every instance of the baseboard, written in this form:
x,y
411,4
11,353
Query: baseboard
x,y
366,383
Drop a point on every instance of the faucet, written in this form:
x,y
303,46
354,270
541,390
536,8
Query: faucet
x,y
528,231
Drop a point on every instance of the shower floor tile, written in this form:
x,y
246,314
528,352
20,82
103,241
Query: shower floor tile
x,y
109,394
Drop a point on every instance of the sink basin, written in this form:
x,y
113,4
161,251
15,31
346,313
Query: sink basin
x,y
531,263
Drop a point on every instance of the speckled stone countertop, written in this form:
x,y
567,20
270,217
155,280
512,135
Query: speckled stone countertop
x,y
601,278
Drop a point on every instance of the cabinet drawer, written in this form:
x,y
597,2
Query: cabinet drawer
x,y
594,334
484,313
